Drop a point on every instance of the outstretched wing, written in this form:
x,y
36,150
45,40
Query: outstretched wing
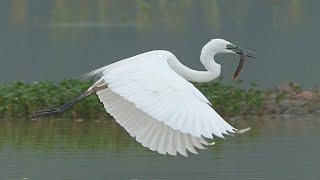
x,y
163,111
148,131
153,87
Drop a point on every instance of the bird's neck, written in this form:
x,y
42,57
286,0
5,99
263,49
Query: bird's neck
x,y
207,59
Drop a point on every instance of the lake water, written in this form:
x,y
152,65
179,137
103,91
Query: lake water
x,y
57,39
65,149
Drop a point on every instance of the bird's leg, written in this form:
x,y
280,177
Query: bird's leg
x,y
63,108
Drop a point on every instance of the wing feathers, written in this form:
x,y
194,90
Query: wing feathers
x,y
171,148
158,107
149,132
181,147
189,144
163,140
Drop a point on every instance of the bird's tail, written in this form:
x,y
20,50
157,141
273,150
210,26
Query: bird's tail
x,y
95,73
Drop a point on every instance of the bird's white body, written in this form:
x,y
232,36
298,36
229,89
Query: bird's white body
x,y
151,97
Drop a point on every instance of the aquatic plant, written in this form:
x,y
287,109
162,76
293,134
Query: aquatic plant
x,y
232,100
18,99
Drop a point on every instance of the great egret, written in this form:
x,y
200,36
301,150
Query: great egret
x,y
151,97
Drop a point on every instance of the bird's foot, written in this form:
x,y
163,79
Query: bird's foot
x,y
45,112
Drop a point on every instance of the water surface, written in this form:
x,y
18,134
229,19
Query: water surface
x,y
57,39
66,149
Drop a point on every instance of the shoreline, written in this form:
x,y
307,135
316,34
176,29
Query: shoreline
x,y
19,99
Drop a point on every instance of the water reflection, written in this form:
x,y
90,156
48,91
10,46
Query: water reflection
x,y
85,35
174,13
19,12
66,149
49,135
287,15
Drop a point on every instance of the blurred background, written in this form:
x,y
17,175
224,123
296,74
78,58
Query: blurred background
x,y
57,39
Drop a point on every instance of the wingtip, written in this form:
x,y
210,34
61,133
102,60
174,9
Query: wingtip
x,y
243,130
213,143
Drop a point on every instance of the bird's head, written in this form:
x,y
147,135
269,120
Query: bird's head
x,y
216,46
223,46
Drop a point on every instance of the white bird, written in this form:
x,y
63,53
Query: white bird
x,y
151,97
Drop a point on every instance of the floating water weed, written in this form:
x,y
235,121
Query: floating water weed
x,y
19,99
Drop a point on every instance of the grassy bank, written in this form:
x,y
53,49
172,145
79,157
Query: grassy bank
x,y
18,99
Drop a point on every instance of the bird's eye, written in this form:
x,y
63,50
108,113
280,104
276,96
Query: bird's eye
x,y
231,46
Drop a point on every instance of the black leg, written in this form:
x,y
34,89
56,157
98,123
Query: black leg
x,y
63,108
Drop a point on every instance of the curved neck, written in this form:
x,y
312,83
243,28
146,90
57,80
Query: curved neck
x,y
206,58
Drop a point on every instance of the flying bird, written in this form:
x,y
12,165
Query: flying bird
x,y
151,96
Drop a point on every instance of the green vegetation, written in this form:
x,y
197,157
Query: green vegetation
x,y
231,100
18,99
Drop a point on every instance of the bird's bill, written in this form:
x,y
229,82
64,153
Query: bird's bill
x,y
239,50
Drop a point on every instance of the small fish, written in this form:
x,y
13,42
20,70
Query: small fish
x,y
241,64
